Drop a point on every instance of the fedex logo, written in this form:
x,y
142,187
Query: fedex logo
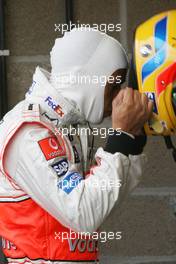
x,y
50,102
57,108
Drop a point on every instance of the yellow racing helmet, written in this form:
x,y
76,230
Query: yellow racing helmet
x,y
154,62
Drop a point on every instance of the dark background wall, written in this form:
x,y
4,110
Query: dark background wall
x,y
147,218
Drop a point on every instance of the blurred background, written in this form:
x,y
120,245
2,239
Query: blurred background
x,y
147,219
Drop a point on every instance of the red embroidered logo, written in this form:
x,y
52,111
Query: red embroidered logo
x,y
52,148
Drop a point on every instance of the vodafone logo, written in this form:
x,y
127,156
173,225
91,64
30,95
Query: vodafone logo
x,y
52,148
53,143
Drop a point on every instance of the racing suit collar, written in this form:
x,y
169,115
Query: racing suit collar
x,y
52,104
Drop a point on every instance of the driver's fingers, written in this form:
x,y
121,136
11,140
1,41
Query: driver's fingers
x,y
128,95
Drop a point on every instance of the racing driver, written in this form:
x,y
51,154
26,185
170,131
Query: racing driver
x,y
48,186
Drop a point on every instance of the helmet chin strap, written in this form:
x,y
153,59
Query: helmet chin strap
x,y
170,145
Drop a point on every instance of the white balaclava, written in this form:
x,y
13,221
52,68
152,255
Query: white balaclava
x,y
81,62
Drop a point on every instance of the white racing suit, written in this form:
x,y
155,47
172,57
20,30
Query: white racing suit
x,y
45,191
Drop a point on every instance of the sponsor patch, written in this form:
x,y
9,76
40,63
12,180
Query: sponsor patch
x,y
69,183
51,148
76,155
53,105
60,167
